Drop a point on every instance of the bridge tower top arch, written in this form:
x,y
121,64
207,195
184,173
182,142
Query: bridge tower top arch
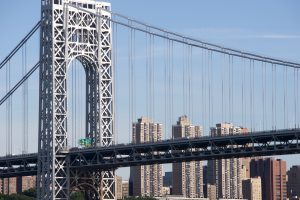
x,y
66,33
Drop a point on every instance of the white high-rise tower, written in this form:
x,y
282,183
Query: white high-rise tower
x,y
187,176
146,180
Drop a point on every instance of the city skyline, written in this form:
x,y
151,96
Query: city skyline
x,y
207,92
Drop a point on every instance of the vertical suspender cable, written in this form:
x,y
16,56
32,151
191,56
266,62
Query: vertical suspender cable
x,y
73,100
229,89
205,89
209,87
295,101
232,90
170,94
208,82
25,101
263,95
80,103
150,75
202,88
11,112
251,95
243,88
298,110
222,78
284,97
129,81
153,78
183,80
115,86
76,96
133,75
188,80
170,87
147,75
266,96
273,99
23,98
165,84
191,80
165,87
212,86
7,110
172,68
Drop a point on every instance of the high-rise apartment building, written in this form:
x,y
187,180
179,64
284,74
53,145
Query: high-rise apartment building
x,y
187,176
211,192
252,189
146,180
125,189
167,179
9,185
18,185
25,183
119,188
226,174
273,177
245,174
293,184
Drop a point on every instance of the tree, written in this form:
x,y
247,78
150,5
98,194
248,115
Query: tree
x,y
15,197
30,192
140,198
77,196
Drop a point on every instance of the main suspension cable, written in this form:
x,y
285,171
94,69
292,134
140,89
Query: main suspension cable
x,y
11,91
188,40
23,41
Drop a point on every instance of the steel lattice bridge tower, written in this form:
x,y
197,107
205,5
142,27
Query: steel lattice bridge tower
x,y
67,34
82,30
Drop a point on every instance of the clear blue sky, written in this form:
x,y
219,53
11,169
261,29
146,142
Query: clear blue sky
x,y
269,27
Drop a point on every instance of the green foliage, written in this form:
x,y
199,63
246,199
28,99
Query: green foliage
x,y
15,197
77,196
26,195
30,192
140,198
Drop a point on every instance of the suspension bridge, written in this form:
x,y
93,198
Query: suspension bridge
x,y
95,65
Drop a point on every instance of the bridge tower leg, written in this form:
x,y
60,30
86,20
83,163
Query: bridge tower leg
x,y
69,33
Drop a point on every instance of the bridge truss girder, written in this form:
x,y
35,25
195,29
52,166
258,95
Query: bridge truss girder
x,y
206,148
84,161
